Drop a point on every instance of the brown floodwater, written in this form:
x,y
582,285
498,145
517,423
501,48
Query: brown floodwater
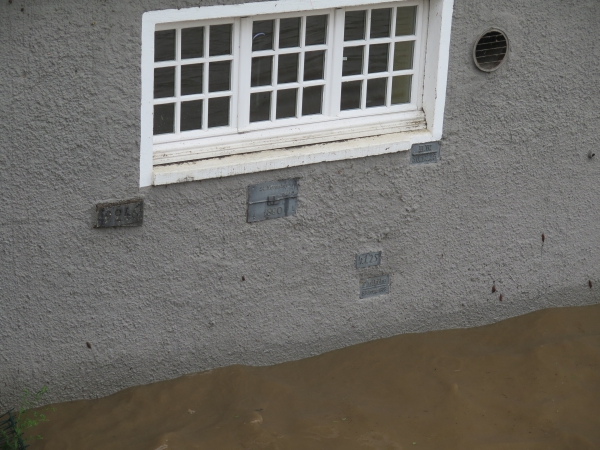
x,y
531,382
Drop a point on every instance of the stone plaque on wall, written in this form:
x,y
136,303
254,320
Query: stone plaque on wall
x,y
426,153
272,200
129,213
372,287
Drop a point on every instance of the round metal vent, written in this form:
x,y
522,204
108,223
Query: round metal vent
x,y
490,50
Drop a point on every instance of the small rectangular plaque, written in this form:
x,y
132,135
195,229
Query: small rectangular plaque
x,y
272,200
120,214
426,153
372,287
368,260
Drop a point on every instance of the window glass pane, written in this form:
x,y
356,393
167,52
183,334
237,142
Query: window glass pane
x,y
403,55
289,32
376,92
164,82
401,88
261,71
164,45
191,115
287,71
286,103
220,40
316,28
164,116
378,58
380,22
405,21
191,79
218,112
192,42
351,92
354,26
314,64
219,74
262,35
311,100
260,106
353,61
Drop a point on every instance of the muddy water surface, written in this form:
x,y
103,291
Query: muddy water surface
x,y
528,383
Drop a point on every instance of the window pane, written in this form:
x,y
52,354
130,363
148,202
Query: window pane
x,y
311,100
260,106
353,61
192,42
191,79
218,112
401,87
314,64
191,115
219,74
351,95
380,23
262,35
289,32
286,103
164,116
261,71
403,55
376,92
405,21
316,27
220,40
164,82
164,45
378,58
287,71
354,26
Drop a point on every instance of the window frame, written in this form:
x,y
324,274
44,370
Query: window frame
x,y
166,160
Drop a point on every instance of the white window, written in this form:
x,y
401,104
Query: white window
x,y
242,88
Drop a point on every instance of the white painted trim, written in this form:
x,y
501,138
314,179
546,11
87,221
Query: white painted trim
x,y
283,158
436,64
434,95
292,136
251,9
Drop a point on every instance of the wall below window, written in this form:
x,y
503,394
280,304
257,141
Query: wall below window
x,y
197,287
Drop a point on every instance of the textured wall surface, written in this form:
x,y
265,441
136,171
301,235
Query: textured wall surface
x,y
168,298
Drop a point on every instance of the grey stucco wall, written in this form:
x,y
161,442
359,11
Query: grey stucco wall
x,y
168,298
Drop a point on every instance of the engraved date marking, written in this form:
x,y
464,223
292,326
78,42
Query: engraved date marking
x,y
126,214
375,286
368,260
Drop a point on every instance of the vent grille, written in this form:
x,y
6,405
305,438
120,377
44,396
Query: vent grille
x,y
490,50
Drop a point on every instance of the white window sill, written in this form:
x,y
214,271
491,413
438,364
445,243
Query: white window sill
x,y
290,157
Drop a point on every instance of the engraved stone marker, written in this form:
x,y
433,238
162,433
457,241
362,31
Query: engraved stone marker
x,y
428,152
129,213
375,286
272,200
368,260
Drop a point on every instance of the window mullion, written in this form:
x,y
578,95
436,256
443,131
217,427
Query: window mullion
x,y
205,80
337,55
363,91
235,74
391,53
275,71
245,72
300,96
177,117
